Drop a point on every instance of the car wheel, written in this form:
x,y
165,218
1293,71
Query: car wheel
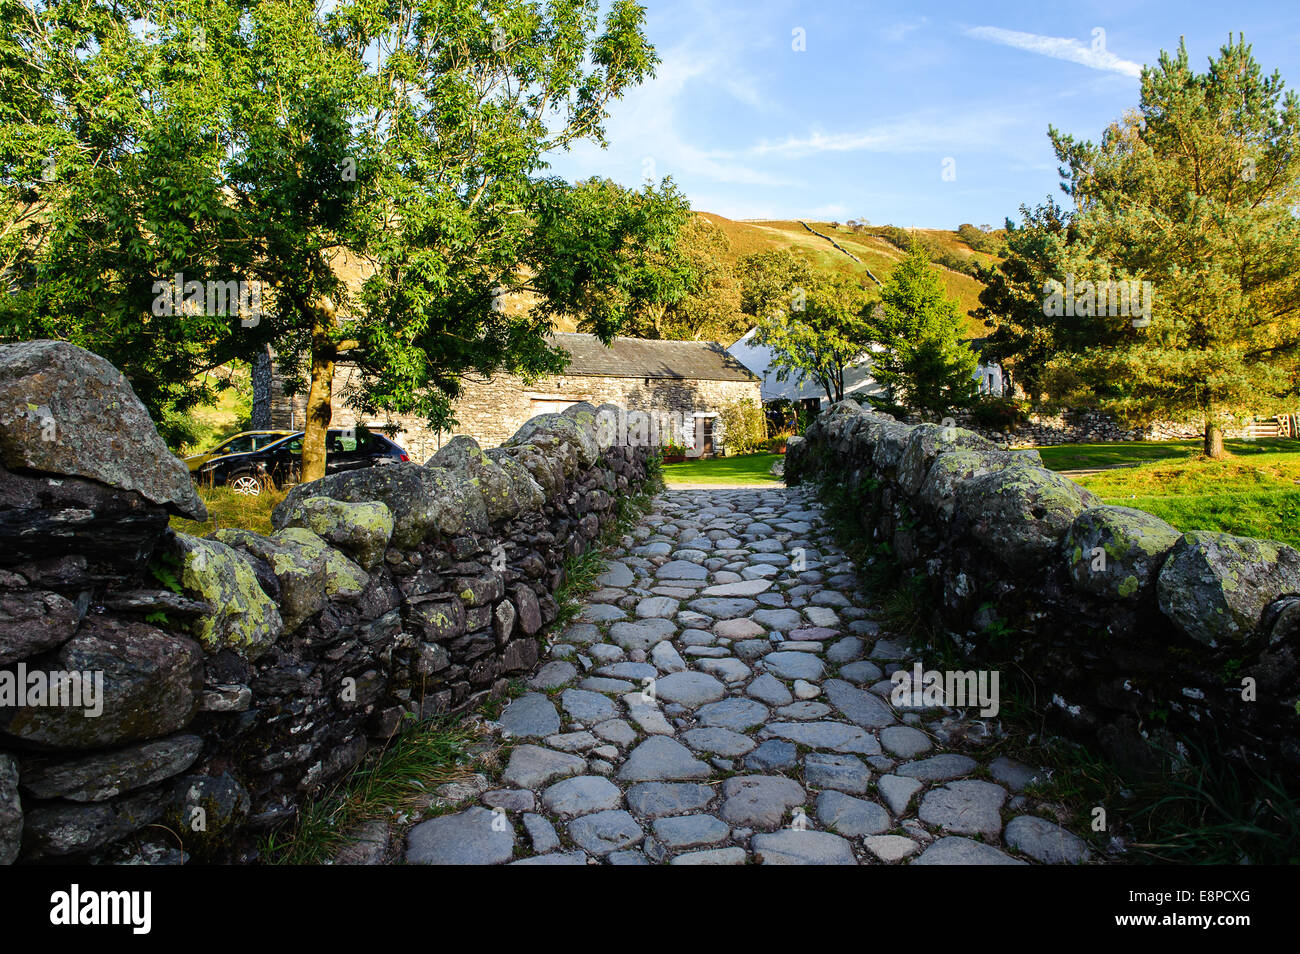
x,y
247,483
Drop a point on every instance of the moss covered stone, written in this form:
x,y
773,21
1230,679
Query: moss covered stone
x,y
928,441
300,572
506,489
243,618
361,529
1117,552
1215,586
343,578
423,501
949,470
1020,514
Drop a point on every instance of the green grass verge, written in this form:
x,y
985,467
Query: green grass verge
x,y
746,470
1254,492
1118,453
391,782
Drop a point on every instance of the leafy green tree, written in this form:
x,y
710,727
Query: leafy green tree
x,y
710,310
376,166
1196,193
1024,338
769,279
814,322
920,357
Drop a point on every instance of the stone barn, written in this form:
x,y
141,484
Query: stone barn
x,y
686,381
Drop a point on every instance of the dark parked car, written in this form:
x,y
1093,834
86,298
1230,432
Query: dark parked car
x,y
280,464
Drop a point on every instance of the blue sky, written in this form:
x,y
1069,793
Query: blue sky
x,y
859,123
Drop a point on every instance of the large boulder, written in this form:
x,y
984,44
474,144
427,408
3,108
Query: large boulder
x,y
950,470
1214,587
425,501
360,529
609,424
1019,514
72,533
925,443
151,684
506,488
344,579
32,621
1116,552
66,411
583,413
560,437
544,468
299,572
244,618
889,443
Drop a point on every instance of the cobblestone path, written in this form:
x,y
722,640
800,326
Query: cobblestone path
x,y
723,698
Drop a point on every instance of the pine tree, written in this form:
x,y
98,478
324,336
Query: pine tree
x,y
1195,193
920,357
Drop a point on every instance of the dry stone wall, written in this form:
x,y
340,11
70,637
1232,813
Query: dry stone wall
x,y
1078,426
1133,634
165,697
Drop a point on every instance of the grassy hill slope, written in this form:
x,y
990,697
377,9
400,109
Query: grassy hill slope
x,y
876,253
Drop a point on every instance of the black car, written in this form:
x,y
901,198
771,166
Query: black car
x,y
280,464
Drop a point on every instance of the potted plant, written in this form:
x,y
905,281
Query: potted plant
x,y
674,453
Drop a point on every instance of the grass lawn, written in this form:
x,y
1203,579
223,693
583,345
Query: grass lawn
x,y
229,509
1084,456
1255,492
751,469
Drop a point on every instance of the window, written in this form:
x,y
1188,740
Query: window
x,y
236,445
341,442
550,405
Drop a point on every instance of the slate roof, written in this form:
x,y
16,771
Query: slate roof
x,y
643,358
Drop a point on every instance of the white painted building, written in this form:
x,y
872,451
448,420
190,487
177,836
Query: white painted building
x,y
857,378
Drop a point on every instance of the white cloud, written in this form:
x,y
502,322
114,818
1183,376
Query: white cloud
x,y
897,32
644,124
1095,55
914,134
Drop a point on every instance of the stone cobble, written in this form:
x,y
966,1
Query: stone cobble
x,y
724,698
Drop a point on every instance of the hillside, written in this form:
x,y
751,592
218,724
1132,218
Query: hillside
x,y
876,253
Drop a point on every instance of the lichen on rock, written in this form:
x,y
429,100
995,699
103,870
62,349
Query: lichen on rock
x,y
1215,586
1117,552
1019,514
343,579
244,618
360,529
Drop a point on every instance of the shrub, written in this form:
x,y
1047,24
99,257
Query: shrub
x,y
998,413
744,426
777,441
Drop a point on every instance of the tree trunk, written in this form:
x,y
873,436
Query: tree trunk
x,y
1213,439
319,411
